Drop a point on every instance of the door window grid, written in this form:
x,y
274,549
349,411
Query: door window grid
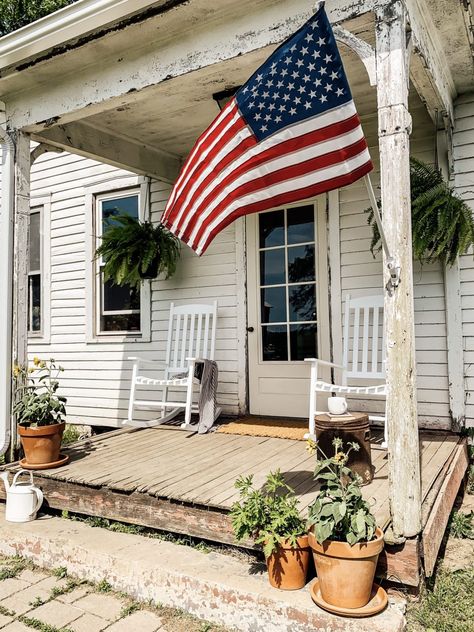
x,y
289,325
125,319
34,272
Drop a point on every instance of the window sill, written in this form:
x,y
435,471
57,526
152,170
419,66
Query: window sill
x,y
118,339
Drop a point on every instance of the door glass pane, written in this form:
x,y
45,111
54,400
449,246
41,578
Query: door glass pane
x,y
118,298
120,322
300,222
35,242
303,341
274,342
301,264
272,229
302,302
272,267
34,296
273,308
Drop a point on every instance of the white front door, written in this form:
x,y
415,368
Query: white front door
x,y
288,312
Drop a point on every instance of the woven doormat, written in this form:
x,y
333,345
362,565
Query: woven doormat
x,y
267,427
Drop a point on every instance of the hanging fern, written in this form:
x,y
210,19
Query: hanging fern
x,y
134,250
442,223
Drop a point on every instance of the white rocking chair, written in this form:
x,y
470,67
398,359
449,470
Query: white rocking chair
x,y
366,362
191,337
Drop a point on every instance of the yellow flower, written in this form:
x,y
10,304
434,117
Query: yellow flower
x,y
311,446
31,369
36,361
339,457
42,364
16,370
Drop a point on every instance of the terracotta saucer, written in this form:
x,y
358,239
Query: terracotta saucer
x,y
378,601
64,458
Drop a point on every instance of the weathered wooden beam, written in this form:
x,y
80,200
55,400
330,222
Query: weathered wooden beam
x,y
430,73
110,83
21,256
84,139
436,524
363,50
43,148
394,124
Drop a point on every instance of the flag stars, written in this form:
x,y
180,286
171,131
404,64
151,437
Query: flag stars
x,y
334,75
312,94
269,83
297,100
286,97
309,37
321,41
300,63
251,105
267,118
275,96
264,128
284,72
339,92
304,50
282,107
292,111
311,67
278,119
323,70
288,60
307,105
328,87
328,58
259,78
316,54
271,107
265,94
301,89
317,82
261,106
323,98
280,84
306,78
257,116
291,86
293,48
295,74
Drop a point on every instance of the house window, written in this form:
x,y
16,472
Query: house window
x,y
34,272
118,307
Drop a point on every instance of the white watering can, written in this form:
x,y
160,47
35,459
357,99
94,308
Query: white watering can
x,y
23,499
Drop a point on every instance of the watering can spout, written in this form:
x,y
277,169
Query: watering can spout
x,y
4,476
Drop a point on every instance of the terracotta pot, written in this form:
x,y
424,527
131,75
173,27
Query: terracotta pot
x,y
288,567
346,573
41,444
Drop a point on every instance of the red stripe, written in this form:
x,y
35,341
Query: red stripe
x,y
280,175
289,197
285,147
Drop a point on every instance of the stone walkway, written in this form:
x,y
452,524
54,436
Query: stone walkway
x,y
31,599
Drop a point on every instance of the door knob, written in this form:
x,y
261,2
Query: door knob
x,y
250,329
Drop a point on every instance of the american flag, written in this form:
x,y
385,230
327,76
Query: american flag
x,y
290,133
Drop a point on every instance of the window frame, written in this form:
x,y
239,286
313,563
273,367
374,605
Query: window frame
x,y
43,206
119,187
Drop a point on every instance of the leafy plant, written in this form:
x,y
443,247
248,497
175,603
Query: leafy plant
x,y
462,526
270,515
339,512
36,400
442,223
134,250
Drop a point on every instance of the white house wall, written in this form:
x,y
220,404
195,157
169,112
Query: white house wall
x,y
463,153
97,374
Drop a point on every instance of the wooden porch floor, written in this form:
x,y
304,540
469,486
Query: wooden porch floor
x,y
183,482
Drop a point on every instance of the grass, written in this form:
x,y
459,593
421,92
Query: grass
x,y
36,624
13,567
446,605
71,435
461,525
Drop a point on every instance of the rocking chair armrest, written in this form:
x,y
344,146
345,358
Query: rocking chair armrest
x,y
325,363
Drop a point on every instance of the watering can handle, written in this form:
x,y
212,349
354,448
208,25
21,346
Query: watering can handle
x,y
39,501
23,472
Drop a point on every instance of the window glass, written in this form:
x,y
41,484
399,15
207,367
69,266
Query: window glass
x,y
119,306
34,273
272,229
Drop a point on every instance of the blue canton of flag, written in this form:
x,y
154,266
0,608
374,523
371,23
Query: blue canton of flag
x,y
304,77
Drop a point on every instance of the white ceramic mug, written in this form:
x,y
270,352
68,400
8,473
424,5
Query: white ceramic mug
x,y
337,405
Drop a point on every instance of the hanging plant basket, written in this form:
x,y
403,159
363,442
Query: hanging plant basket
x,y
442,223
133,251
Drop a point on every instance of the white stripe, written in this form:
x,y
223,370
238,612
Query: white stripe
x,y
299,129
281,162
294,184
196,163
226,112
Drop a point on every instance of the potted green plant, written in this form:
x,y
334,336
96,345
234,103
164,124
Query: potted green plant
x,y
271,516
133,250
343,534
40,413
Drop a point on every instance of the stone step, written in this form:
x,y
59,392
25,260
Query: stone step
x,y
214,586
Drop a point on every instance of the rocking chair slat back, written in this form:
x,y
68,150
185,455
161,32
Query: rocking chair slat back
x,y
363,319
187,338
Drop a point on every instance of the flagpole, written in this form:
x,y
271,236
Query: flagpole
x,y
392,265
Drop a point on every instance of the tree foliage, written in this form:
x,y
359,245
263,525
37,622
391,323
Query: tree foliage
x,y
17,13
442,223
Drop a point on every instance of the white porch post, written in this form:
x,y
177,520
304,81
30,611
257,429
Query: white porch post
x,y
21,255
394,123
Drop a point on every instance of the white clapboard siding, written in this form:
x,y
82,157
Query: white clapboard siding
x,y
97,375
361,275
463,158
